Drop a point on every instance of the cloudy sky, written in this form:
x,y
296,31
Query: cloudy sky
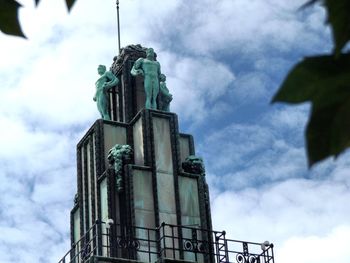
x,y
224,60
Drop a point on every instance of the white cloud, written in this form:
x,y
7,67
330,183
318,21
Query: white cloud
x,y
193,94
317,249
251,86
285,212
289,118
238,143
249,26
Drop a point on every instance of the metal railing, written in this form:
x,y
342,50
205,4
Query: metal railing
x,y
84,248
167,241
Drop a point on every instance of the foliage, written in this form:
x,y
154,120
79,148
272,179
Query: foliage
x,y
9,23
325,82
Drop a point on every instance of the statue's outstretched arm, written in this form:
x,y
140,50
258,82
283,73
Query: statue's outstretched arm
x,y
136,68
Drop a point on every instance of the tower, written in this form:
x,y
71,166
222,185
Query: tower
x,y
142,193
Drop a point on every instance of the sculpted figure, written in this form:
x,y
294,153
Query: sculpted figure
x,y
149,68
194,164
164,97
118,156
106,81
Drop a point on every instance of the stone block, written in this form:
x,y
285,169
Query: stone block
x,y
113,135
143,190
144,218
162,145
184,148
138,142
189,202
166,193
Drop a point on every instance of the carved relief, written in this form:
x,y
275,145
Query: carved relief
x,y
118,156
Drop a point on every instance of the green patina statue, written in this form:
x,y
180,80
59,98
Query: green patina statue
x,y
118,156
106,81
149,68
194,164
164,97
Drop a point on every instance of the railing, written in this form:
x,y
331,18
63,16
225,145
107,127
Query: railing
x,y
167,241
83,249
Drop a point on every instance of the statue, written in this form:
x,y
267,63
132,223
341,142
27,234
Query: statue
x,y
164,97
119,155
194,164
149,68
106,81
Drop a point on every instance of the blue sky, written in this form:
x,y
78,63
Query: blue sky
x,y
224,60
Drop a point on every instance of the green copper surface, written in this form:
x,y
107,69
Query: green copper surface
x,y
149,68
119,155
106,81
194,164
164,97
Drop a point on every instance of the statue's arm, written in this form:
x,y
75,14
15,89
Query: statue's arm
x,y
138,63
113,80
159,72
164,89
95,96
137,68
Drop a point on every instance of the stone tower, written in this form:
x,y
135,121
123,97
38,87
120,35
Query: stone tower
x,y
142,193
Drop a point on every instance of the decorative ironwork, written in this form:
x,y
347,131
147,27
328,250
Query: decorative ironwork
x,y
151,244
128,243
188,246
241,258
195,246
245,249
85,253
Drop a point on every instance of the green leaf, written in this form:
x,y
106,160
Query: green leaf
x,y
341,127
313,76
338,16
70,4
328,130
318,134
325,82
9,23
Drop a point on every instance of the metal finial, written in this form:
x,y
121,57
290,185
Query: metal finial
x,y
118,25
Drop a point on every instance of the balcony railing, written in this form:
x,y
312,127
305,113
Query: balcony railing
x,y
167,241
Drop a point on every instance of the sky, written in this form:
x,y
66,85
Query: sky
x,y
223,60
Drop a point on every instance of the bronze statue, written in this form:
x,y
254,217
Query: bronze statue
x,y
149,68
106,81
164,97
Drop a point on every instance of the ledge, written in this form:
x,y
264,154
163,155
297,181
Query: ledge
x,y
99,259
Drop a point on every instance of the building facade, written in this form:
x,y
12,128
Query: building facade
x,y
142,193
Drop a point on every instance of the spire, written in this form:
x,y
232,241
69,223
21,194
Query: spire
x,y
117,3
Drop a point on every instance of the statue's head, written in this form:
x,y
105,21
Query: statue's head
x,y
162,77
101,69
150,53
